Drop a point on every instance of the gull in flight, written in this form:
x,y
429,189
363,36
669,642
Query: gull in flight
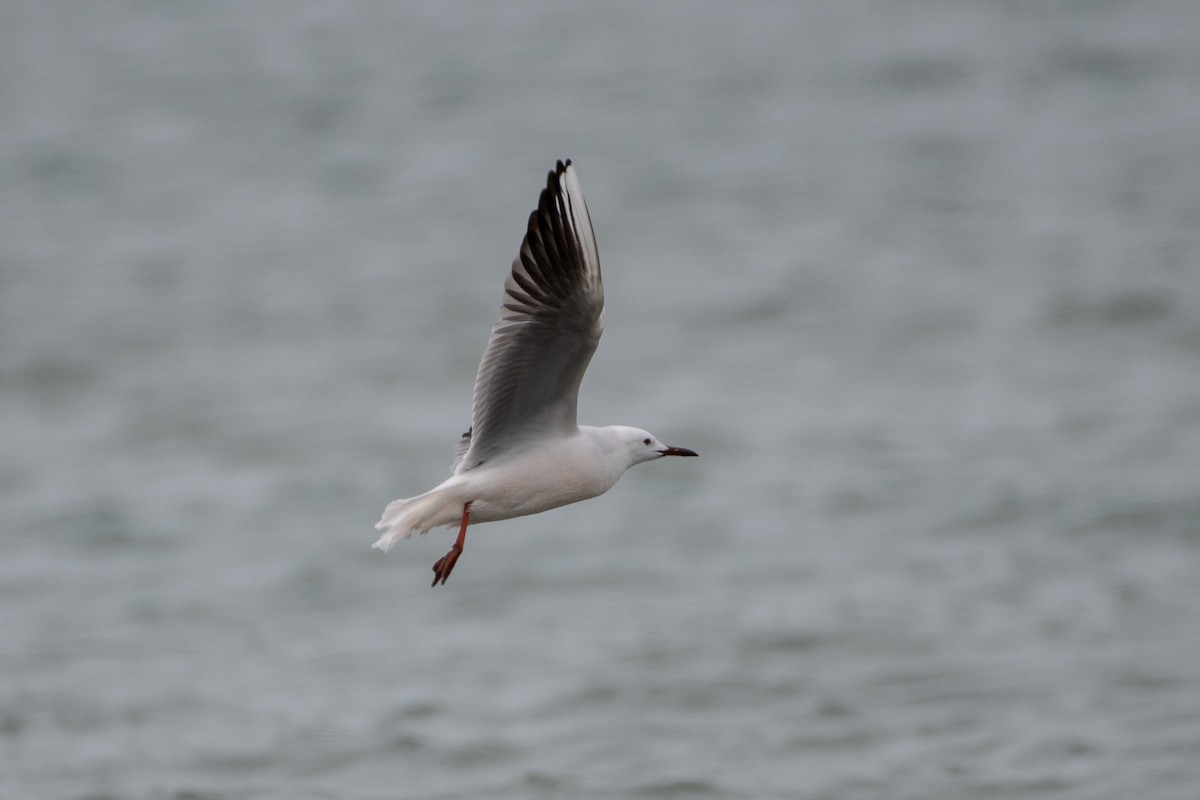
x,y
524,452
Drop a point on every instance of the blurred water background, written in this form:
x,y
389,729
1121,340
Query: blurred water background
x,y
919,280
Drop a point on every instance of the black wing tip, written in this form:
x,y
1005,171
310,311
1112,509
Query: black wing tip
x,y
560,169
548,202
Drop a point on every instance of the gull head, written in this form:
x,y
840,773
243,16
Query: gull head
x,y
640,445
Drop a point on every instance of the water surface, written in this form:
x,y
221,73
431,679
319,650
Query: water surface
x,y
919,281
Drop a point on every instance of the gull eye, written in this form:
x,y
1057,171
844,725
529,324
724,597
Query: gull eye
x,y
645,441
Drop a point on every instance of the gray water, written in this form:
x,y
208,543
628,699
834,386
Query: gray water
x,y
920,281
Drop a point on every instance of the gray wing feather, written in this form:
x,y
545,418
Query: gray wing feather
x,y
460,450
551,319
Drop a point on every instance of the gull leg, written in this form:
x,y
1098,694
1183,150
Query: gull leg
x,y
445,564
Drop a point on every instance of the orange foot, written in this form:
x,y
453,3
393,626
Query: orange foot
x,y
445,564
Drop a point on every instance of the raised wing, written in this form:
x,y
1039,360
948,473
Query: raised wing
x,y
551,319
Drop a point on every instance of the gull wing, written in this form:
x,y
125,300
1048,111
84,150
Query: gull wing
x,y
551,319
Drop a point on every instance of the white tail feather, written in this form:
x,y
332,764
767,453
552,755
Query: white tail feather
x,y
404,517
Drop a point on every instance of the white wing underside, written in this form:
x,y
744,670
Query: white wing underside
x,y
551,319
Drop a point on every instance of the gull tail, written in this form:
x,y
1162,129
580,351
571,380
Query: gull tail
x,y
404,517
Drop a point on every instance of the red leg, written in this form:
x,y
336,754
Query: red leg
x,y
445,564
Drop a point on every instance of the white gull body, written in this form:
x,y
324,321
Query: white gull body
x,y
524,452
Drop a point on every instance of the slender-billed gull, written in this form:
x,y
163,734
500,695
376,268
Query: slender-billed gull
x,y
524,453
